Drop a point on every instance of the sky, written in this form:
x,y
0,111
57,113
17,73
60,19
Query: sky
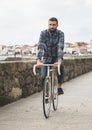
x,y
21,21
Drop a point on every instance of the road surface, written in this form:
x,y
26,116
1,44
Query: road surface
x,y
74,110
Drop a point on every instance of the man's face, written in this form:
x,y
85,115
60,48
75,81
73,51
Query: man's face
x,y
52,25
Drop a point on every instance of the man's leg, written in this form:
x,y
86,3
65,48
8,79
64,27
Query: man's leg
x,y
43,74
61,76
60,79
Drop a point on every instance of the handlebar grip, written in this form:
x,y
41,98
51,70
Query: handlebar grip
x,y
34,69
59,69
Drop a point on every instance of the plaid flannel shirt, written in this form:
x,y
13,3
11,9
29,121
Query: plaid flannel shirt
x,y
50,40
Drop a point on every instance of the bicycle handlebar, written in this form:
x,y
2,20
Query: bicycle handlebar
x,y
34,68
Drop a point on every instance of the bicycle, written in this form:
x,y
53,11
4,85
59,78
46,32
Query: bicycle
x,y
50,89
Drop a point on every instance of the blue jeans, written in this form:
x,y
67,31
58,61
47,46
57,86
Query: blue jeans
x,y
44,71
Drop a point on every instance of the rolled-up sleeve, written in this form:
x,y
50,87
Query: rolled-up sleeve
x,y
61,45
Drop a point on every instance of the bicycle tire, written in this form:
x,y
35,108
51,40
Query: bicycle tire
x,y
55,92
47,98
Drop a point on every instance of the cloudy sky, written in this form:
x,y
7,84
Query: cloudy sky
x,y
22,20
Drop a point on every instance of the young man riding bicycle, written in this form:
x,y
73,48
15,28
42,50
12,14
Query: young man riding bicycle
x,y
50,50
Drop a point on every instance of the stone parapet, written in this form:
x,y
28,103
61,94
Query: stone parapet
x,y
17,79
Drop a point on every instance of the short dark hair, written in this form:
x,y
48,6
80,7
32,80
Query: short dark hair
x,y
53,19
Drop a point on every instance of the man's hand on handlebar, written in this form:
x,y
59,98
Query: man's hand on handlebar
x,y
58,63
39,63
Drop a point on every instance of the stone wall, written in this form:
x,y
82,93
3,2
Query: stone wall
x,y
76,67
17,79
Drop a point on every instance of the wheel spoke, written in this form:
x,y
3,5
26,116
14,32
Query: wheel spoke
x,y
46,98
55,93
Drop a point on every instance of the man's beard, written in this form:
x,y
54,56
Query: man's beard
x,y
52,30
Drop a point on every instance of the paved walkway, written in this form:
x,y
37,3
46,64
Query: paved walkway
x,y
74,110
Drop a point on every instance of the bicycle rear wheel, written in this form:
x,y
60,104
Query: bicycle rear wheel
x,y
47,98
55,93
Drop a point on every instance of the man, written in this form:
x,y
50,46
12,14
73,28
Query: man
x,y
50,50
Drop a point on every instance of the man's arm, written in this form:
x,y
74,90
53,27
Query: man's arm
x,y
60,48
40,49
40,46
61,45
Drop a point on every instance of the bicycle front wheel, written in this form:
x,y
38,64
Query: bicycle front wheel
x,y
55,93
47,98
